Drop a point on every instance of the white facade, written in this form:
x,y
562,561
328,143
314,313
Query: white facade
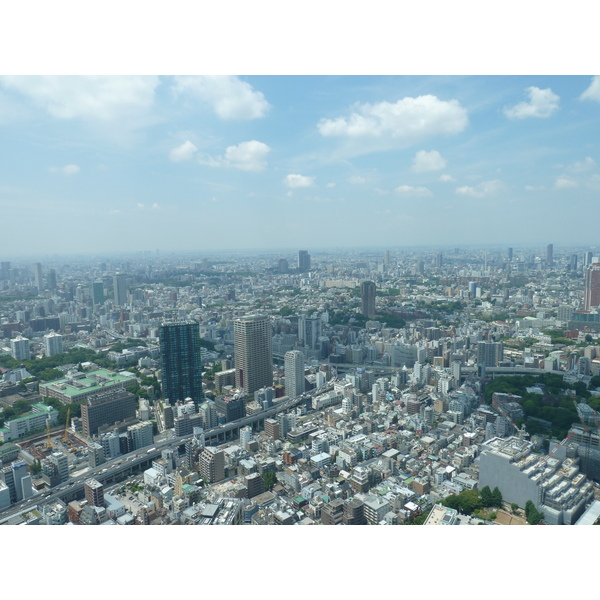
x,y
19,348
294,373
53,344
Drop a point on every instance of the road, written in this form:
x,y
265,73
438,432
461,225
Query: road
x,y
109,470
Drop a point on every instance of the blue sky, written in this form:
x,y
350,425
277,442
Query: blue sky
x,y
98,164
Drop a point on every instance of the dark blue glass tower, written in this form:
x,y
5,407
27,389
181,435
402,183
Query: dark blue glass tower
x,y
181,365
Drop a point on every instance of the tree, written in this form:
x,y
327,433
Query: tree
x,y
270,479
514,507
35,467
496,497
588,338
486,496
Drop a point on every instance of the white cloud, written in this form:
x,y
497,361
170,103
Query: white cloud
x,y
330,185
593,92
406,121
542,104
564,182
582,165
356,180
447,178
248,156
481,190
141,205
86,97
229,97
183,152
409,190
428,161
66,170
534,188
298,181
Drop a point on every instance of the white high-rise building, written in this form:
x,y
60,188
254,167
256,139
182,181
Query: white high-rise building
x,y
294,373
245,436
53,344
19,348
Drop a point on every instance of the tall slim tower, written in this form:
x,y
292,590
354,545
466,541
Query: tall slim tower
x,y
120,288
294,373
303,261
550,254
52,279
253,352
181,365
37,276
98,292
591,297
367,294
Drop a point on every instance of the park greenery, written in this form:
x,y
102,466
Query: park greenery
x,y
555,405
470,502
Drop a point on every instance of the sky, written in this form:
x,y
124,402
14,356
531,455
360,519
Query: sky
x,y
132,163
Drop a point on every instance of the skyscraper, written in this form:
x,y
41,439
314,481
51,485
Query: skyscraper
x,y
550,254
309,331
510,254
294,373
367,295
37,276
181,365
98,292
303,261
120,288
592,287
52,279
253,352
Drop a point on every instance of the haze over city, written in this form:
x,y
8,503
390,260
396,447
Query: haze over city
x,y
190,163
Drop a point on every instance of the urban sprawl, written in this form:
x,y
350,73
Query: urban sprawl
x,y
454,386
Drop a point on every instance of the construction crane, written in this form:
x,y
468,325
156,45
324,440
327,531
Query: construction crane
x,y
65,439
48,441
522,432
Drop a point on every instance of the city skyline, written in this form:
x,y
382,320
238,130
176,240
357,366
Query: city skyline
x,y
137,163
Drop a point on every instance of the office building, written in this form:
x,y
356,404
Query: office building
x,y
231,407
208,411
94,492
120,289
253,353
245,436
98,293
53,344
510,254
212,464
185,424
139,436
309,331
95,454
294,373
550,254
255,485
591,297
4,270
439,260
52,280
13,476
303,261
555,485
19,348
573,263
181,365
107,408
489,354
272,428
36,420
367,295
61,464
37,276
